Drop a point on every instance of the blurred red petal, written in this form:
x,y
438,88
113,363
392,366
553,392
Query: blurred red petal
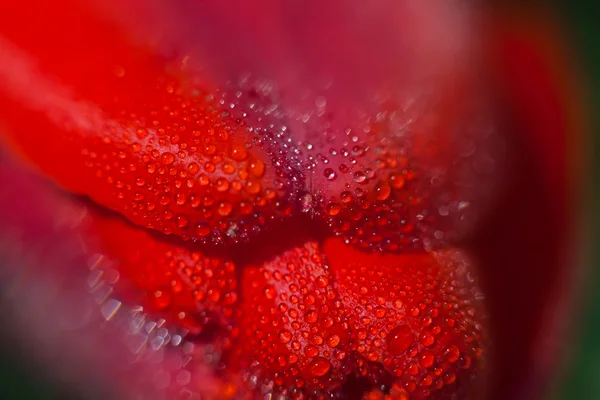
x,y
184,285
529,243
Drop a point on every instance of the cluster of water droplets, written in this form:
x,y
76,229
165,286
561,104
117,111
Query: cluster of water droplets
x,y
186,163
223,167
421,321
397,173
291,333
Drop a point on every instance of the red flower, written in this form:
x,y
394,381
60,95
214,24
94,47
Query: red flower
x,y
284,235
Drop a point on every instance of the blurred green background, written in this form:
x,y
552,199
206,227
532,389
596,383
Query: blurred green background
x,y
580,378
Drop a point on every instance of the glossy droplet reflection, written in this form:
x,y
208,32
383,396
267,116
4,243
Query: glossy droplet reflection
x,y
319,367
399,339
329,174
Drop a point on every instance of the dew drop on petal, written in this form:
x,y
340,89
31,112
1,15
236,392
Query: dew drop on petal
x,y
270,292
359,177
399,339
329,174
285,336
319,367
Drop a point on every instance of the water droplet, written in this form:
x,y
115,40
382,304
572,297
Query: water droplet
x,y
322,281
257,168
396,180
382,191
253,187
333,341
224,209
141,133
239,153
285,336
359,177
452,353
317,340
319,367
222,185
193,168
270,292
311,317
427,381
358,151
329,174
209,167
346,196
333,209
427,360
311,351
427,339
180,199
209,149
449,379
228,168
399,339
202,229
182,221
167,158
165,200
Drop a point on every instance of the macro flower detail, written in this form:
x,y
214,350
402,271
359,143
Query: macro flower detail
x,y
299,316
267,239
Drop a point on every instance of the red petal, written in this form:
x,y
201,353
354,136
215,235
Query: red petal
x,y
386,163
185,286
415,315
71,334
410,177
108,117
291,338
